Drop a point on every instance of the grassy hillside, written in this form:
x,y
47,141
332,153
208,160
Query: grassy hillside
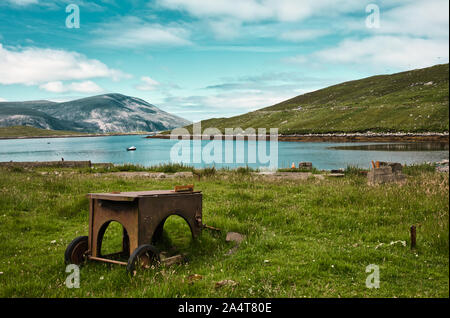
x,y
26,131
412,101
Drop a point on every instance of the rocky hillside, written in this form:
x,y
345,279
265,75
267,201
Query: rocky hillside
x,y
97,114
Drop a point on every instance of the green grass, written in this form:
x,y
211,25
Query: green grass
x,y
166,168
313,170
27,131
399,102
311,238
417,169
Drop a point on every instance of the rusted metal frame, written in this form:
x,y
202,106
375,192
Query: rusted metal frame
x,y
113,211
106,260
184,188
109,256
91,220
141,220
154,211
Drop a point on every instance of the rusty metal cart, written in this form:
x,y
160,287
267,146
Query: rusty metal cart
x,y
142,215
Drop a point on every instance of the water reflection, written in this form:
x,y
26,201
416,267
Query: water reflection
x,y
419,146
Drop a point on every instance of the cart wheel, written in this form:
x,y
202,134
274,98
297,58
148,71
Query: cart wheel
x,y
75,251
142,257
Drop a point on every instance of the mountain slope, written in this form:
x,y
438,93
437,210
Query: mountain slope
x,y
14,115
412,101
97,114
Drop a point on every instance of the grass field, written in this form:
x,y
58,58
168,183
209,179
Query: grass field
x,y
311,238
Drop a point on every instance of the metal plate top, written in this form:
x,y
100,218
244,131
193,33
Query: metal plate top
x,y
130,196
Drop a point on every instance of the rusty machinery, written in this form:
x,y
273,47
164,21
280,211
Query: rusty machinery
x,y
142,215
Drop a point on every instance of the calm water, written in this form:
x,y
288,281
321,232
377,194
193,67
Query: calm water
x,y
157,151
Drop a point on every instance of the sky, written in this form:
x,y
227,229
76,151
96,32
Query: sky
x,y
200,59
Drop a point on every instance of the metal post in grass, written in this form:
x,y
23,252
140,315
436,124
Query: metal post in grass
x,y
413,236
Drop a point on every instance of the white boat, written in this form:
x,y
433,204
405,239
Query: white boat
x,y
133,148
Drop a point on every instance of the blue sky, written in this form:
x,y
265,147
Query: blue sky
x,y
201,59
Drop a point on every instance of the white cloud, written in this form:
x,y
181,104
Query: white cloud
x,y
387,51
410,18
225,29
412,34
85,87
303,35
202,107
134,32
244,10
247,101
148,84
32,66
80,87
299,59
86,5
54,87
23,2
424,18
258,10
3,100
232,19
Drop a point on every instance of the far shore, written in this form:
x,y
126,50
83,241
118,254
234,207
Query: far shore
x,y
338,137
332,137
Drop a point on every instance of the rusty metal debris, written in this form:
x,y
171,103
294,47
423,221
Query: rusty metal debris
x,y
184,188
211,228
226,282
194,277
142,216
177,259
305,165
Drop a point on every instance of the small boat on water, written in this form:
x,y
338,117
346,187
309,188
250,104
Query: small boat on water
x,y
133,148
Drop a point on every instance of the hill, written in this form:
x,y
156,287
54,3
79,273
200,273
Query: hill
x,y
27,131
412,101
97,114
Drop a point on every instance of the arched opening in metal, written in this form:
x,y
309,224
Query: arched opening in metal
x,y
113,240
173,234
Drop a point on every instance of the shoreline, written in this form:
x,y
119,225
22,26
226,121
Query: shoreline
x,y
73,136
340,137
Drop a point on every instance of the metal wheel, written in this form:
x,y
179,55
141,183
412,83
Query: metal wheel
x,y
142,257
75,251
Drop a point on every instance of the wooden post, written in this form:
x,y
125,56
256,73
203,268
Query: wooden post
x,y
413,237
